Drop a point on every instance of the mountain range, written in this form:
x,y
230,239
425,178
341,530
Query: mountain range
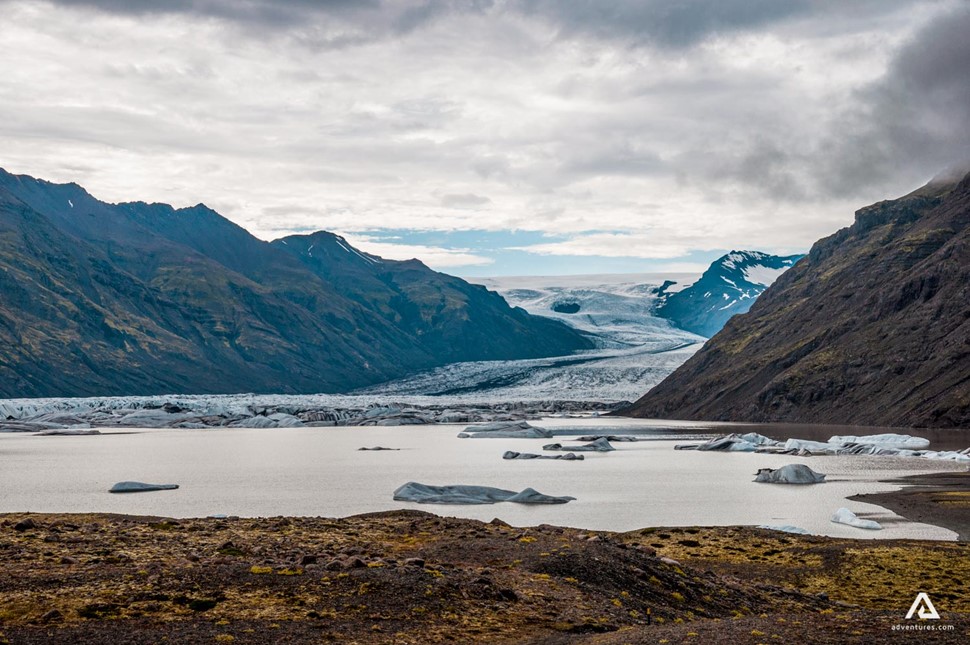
x,y
136,298
871,328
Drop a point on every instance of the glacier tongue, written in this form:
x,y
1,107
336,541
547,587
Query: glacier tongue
x,y
636,349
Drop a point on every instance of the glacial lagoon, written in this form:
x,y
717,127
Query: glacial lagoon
x,y
321,472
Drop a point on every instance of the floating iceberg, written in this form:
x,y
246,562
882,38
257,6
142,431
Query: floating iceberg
x,y
733,443
600,445
505,430
511,454
888,440
140,487
891,445
458,494
789,474
845,516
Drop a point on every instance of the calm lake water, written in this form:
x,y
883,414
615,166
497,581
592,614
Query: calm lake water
x,y
320,472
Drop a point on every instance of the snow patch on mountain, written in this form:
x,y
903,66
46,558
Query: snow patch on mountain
x,y
759,274
729,287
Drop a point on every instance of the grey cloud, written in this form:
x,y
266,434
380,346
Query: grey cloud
x,y
329,24
355,21
673,24
913,122
467,200
685,23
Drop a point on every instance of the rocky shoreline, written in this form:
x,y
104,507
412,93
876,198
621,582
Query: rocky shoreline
x,y
415,577
941,499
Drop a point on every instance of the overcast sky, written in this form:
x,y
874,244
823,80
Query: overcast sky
x,y
505,137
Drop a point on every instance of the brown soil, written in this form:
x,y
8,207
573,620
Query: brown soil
x,y
413,577
942,499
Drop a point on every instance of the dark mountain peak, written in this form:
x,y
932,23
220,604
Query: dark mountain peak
x,y
324,246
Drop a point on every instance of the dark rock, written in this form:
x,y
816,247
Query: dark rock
x,y
25,525
414,562
51,616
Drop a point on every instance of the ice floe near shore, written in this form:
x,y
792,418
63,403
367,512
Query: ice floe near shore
x,y
845,516
784,528
896,445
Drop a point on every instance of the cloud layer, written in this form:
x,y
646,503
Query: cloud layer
x,y
644,129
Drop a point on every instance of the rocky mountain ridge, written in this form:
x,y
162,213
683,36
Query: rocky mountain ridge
x,y
135,298
871,328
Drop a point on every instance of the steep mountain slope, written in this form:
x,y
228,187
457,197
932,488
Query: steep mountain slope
x,y
872,328
100,299
434,307
730,286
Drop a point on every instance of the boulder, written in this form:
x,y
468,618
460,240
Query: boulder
x,y
378,448
845,516
789,474
140,487
459,494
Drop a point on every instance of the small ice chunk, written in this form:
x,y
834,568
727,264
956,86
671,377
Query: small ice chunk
x,y
140,487
784,528
845,516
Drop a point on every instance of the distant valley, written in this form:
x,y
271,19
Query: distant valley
x,y
636,345
101,299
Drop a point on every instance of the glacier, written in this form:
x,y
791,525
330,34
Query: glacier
x,y
635,348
